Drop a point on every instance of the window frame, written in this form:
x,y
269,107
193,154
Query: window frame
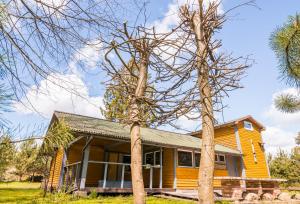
x,y
145,158
154,154
223,155
248,123
184,150
218,158
196,152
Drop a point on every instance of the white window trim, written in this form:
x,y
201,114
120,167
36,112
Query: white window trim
x,y
154,154
223,155
253,151
249,123
218,158
193,159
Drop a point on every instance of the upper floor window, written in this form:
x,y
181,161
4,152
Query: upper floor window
x,y
248,125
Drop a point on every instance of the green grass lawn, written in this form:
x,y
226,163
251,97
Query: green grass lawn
x,y
22,192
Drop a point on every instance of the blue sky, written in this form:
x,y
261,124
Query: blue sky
x,y
246,32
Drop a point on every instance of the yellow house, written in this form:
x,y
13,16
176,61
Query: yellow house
x,y
99,156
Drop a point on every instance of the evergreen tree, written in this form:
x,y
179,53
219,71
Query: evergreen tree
x,y
7,151
285,41
117,101
286,166
25,158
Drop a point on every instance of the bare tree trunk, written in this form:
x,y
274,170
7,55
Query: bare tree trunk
x,y
136,143
136,165
206,170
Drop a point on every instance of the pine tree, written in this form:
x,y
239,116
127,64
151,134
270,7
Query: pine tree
x,y
117,101
25,158
7,152
285,41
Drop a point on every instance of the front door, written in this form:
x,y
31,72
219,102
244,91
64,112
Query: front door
x,y
231,164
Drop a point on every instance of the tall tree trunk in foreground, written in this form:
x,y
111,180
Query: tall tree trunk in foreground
x,y
136,142
206,170
217,74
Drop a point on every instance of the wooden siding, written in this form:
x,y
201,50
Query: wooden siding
x,y
168,168
187,177
225,136
55,169
253,169
95,171
74,153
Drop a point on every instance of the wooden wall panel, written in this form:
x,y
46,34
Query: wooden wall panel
x,y
253,169
168,168
187,177
95,171
225,136
55,169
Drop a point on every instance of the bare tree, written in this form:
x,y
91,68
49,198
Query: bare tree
x,y
143,69
215,73
39,37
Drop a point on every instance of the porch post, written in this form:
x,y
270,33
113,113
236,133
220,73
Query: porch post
x,y
76,176
174,168
105,175
122,181
160,169
151,176
84,167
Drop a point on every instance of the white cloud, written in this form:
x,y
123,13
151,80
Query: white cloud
x,y
59,92
275,138
86,57
282,127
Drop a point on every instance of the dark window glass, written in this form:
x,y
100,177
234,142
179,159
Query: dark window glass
x,y
149,158
185,158
157,158
197,159
221,158
127,160
216,157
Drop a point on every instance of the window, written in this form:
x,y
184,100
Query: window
x,y
220,158
216,157
157,158
185,158
127,159
149,158
248,125
197,159
253,151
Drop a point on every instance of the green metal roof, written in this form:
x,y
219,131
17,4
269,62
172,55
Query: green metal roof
x,y
113,130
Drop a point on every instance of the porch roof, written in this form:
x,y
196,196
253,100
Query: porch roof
x,y
113,130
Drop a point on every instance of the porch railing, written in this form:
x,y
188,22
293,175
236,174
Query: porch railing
x,y
72,173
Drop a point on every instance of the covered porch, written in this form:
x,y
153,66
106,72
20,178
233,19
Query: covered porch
x,y
102,164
